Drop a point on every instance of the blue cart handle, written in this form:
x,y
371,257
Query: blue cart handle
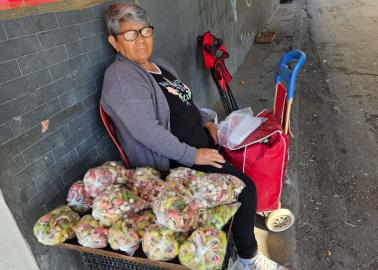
x,y
288,74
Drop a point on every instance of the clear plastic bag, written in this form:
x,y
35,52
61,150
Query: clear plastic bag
x,y
96,180
148,186
56,226
89,233
147,171
181,236
115,203
183,175
78,199
123,175
160,243
205,249
140,221
176,208
215,189
122,237
237,127
218,216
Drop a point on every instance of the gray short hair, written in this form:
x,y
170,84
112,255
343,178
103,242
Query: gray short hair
x,y
123,12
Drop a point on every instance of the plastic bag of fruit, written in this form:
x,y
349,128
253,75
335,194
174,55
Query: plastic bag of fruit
x,y
183,175
205,249
114,203
122,175
176,208
146,171
216,189
181,236
140,221
96,180
159,243
78,199
56,226
218,216
89,233
148,186
122,237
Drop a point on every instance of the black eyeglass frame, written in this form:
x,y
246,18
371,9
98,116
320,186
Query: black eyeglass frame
x,y
138,32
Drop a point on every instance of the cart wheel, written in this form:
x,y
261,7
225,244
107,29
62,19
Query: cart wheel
x,y
279,220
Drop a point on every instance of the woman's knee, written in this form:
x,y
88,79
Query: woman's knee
x,y
249,185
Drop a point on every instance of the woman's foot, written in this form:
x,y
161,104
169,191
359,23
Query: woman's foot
x,y
259,262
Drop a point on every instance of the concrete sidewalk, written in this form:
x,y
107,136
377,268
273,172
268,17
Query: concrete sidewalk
x,y
253,86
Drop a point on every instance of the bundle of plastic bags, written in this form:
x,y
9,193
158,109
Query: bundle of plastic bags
x,y
205,249
216,189
140,221
176,208
218,216
122,237
56,226
78,199
114,203
89,233
160,243
183,175
237,127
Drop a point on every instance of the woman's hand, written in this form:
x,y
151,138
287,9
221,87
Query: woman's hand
x,y
207,156
212,131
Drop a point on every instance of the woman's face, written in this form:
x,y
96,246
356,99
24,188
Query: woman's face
x,y
139,50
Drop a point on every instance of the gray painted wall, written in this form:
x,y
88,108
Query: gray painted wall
x,y
51,68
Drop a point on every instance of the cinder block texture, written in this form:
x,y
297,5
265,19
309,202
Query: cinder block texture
x,y
9,70
2,33
30,25
42,59
13,48
51,72
51,69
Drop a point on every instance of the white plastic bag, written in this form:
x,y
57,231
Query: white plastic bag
x,y
237,127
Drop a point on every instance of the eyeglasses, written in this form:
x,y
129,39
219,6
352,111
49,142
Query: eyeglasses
x,y
132,35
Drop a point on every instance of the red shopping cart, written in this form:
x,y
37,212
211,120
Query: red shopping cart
x,y
263,155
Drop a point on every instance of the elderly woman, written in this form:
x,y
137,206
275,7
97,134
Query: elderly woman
x,y
158,123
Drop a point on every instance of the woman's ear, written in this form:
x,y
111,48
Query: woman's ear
x,y
113,42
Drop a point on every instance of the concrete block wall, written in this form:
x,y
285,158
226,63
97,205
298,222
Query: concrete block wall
x,y
178,23
51,68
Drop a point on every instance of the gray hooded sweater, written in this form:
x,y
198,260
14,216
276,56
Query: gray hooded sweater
x,y
140,113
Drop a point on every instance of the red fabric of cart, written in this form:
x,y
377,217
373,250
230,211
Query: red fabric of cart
x,y
264,161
